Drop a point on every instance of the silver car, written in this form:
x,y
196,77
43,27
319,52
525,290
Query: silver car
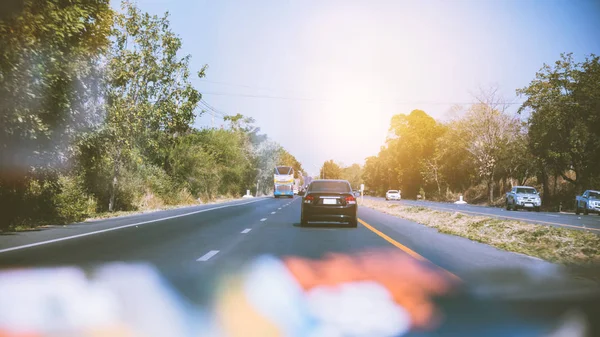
x,y
525,197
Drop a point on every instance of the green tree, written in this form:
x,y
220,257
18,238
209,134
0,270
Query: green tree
x,y
353,174
286,159
410,145
149,98
455,163
49,83
331,170
564,119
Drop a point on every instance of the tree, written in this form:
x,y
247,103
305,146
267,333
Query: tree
x,y
410,145
286,159
331,170
489,130
564,118
353,174
267,158
49,82
149,98
455,163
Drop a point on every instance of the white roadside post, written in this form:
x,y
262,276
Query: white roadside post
x,y
460,201
362,194
248,195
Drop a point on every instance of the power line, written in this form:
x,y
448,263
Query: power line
x,y
212,108
212,111
325,99
231,84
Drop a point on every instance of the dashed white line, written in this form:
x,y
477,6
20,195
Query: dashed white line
x,y
246,230
124,226
272,212
552,215
208,255
279,208
263,219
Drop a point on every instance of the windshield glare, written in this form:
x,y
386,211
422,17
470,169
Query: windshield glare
x,y
201,137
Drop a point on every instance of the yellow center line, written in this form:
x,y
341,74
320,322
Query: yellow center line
x,y
511,217
403,247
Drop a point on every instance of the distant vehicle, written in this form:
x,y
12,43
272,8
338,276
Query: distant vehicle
x,y
392,195
525,197
329,200
284,182
295,189
356,193
588,202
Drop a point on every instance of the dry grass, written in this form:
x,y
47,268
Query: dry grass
x,y
560,245
152,204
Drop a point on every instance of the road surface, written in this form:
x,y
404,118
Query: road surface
x,y
589,222
206,239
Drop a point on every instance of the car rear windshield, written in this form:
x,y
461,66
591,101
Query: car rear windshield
x,y
526,191
329,186
392,191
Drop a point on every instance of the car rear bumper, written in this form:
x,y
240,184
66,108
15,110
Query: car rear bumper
x,y
329,213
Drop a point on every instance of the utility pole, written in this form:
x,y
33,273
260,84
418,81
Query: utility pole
x,y
212,120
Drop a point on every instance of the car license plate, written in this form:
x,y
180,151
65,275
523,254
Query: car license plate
x,y
329,201
528,205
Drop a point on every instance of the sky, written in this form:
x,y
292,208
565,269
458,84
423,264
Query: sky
x,y
324,77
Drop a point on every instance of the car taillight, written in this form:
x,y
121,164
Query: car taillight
x,y
308,199
350,200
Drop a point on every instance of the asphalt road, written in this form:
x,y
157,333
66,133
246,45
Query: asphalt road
x,y
589,222
207,239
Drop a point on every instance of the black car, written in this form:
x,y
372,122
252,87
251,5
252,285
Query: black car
x,y
329,200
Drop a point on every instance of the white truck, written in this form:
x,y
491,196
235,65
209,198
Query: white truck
x,y
588,202
525,197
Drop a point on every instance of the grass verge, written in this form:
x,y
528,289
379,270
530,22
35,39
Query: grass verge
x,y
108,215
554,244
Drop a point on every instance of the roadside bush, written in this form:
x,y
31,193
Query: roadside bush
x,y
72,204
29,201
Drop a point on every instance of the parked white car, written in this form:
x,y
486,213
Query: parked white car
x,y
392,195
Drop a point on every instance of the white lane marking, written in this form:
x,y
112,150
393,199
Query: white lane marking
x,y
246,230
208,255
552,215
263,219
272,212
124,226
279,208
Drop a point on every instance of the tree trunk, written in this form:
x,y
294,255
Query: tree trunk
x,y
491,191
113,188
545,188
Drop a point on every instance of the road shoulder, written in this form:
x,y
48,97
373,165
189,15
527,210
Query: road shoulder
x,y
10,240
